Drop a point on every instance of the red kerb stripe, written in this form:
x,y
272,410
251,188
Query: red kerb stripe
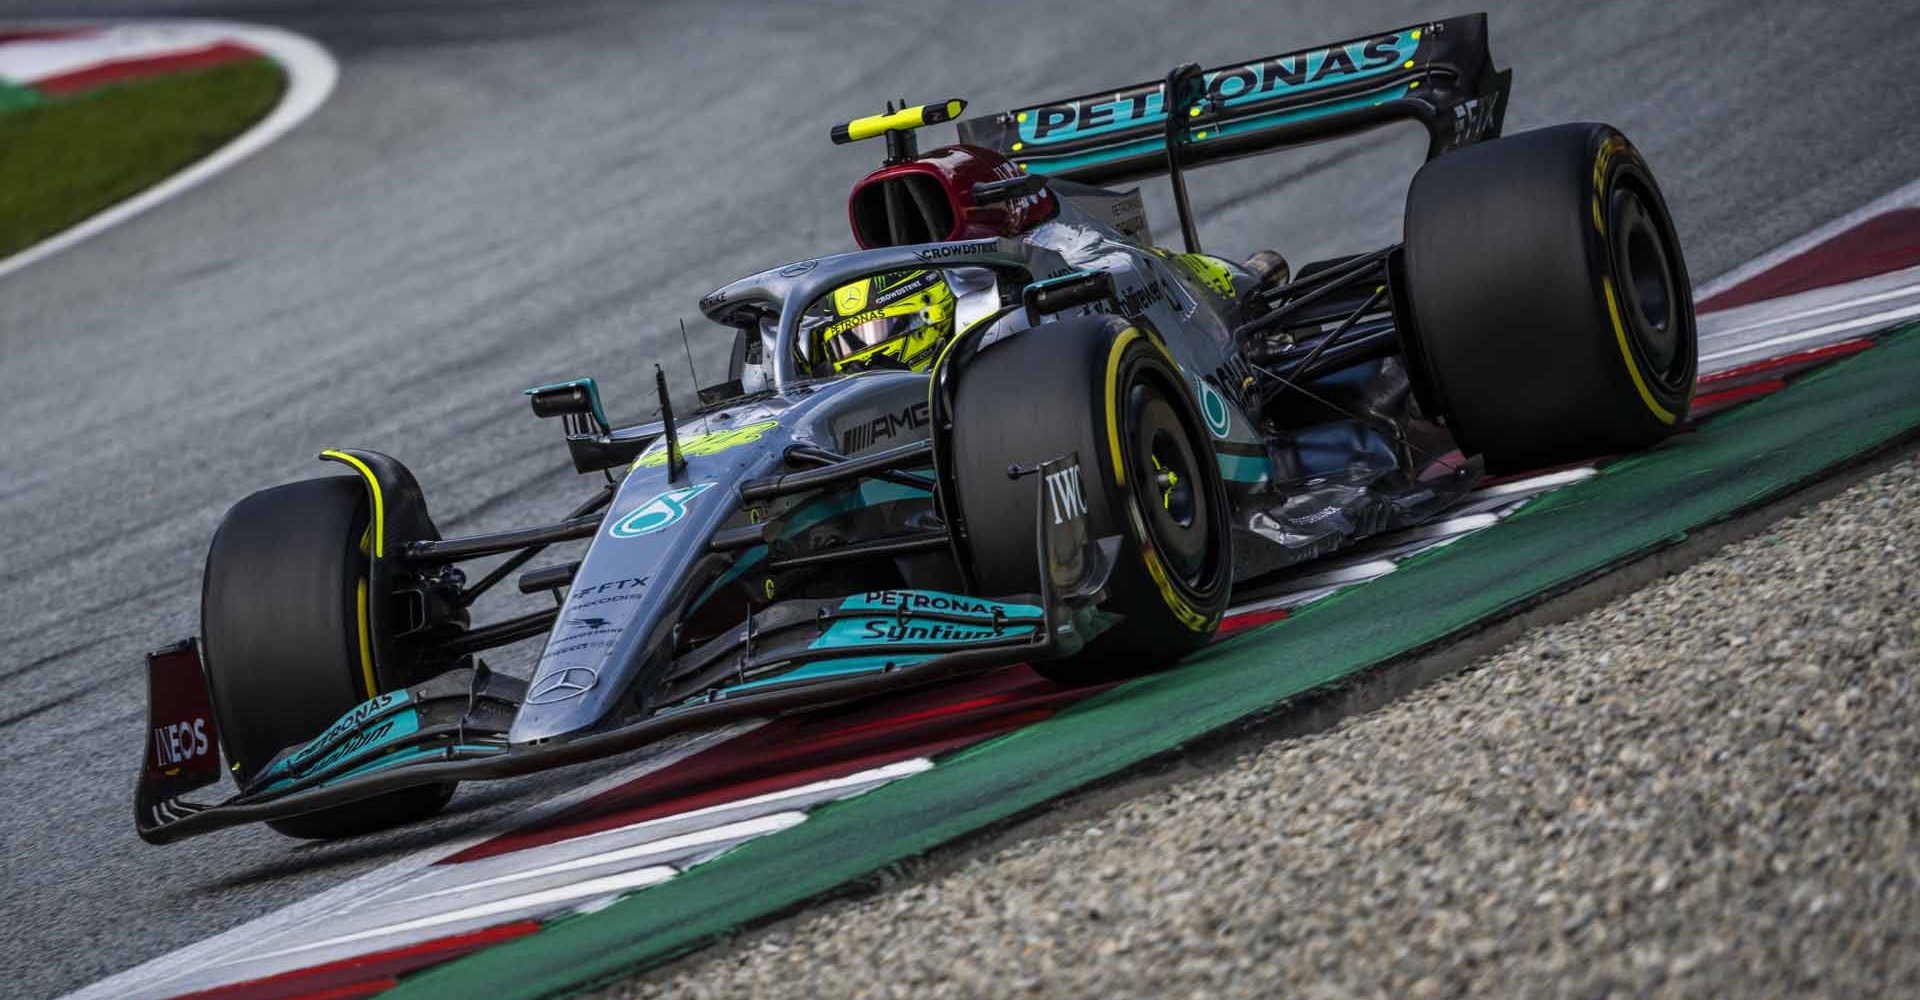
x,y
1886,242
365,974
350,991
1246,621
216,54
1714,402
1776,367
42,34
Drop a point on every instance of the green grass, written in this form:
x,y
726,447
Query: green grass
x,y
67,158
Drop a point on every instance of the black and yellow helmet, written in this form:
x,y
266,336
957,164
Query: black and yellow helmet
x,y
893,320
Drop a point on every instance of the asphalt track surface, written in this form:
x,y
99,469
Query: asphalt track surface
x,y
501,194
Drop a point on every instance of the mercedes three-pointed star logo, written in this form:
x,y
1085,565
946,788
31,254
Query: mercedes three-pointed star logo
x,y
561,685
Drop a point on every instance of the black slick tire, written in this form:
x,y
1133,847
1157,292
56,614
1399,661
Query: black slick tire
x,y
1101,389
1550,301
282,624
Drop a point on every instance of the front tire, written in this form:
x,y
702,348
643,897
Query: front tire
x,y
283,625
1551,305
1105,391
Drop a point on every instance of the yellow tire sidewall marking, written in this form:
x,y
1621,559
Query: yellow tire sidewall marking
x,y
1127,336
378,530
1186,613
1183,611
1664,415
366,639
379,503
1617,145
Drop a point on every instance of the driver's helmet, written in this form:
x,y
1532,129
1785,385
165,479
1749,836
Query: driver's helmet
x,y
894,320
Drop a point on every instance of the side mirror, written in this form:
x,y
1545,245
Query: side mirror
x,y
1044,298
577,400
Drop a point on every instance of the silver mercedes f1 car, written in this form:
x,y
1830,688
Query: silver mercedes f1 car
x,y
1010,428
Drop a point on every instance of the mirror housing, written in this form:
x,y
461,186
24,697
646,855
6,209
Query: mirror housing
x,y
1044,298
578,400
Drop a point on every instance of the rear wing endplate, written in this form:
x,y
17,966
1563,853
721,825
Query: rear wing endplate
x,y
1439,74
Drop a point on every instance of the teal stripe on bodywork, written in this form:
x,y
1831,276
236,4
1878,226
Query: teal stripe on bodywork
x,y
1311,65
874,492
1289,117
402,757
858,634
400,727
834,668
359,718
1244,468
1040,163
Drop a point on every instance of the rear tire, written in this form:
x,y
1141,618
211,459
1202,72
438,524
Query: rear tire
x,y
1550,301
1051,392
282,620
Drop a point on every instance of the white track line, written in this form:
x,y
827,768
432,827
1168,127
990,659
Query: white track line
x,y
1537,484
535,882
1906,282
486,914
715,815
311,74
413,920
1283,602
652,835
169,974
670,851
1773,328
1340,576
1822,335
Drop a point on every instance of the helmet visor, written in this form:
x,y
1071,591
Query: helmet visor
x,y
849,337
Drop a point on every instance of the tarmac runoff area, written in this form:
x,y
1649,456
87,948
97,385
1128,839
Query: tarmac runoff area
x,y
1702,788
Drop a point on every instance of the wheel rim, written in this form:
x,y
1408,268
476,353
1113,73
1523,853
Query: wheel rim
x,y
1177,521
1174,486
1648,287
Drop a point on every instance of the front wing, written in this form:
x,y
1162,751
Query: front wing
x,y
792,655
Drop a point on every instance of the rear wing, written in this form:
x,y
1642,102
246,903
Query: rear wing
x,y
1439,74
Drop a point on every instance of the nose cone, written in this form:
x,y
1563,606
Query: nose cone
x,y
624,589
559,702
636,576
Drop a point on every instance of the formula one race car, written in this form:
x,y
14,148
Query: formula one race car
x,y
1008,429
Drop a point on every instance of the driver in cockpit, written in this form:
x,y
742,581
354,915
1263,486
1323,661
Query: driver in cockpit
x,y
898,320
